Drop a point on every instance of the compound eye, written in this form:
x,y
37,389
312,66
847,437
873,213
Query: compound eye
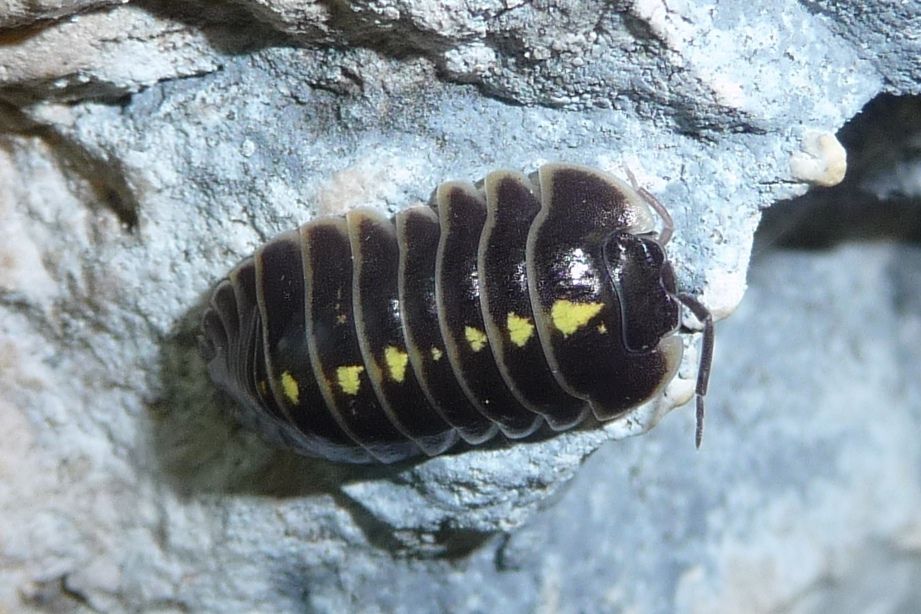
x,y
643,282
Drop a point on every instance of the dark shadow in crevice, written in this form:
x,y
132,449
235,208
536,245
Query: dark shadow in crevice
x,y
230,29
875,202
445,542
103,177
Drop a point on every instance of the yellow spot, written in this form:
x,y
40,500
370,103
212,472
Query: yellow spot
x,y
568,317
289,384
519,329
436,354
602,329
263,387
342,318
349,378
396,362
475,337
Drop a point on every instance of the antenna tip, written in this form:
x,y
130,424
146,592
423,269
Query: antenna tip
x,y
699,433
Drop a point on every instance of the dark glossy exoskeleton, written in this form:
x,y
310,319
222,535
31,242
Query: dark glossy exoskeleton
x,y
504,306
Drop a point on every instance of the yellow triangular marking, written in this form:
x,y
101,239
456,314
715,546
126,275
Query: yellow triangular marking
x,y
568,317
289,385
520,329
349,378
475,337
396,362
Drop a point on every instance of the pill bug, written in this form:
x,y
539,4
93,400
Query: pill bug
x,y
507,304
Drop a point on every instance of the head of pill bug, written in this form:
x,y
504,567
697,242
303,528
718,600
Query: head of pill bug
x,y
644,283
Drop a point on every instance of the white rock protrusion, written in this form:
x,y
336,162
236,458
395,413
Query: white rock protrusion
x,y
822,160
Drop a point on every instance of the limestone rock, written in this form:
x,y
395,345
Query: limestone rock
x,y
146,147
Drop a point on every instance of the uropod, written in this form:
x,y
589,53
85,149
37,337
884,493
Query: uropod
x,y
505,305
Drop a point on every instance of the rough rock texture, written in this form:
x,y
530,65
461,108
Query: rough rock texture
x,y
25,12
147,147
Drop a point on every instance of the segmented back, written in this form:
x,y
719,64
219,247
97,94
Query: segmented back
x,y
501,308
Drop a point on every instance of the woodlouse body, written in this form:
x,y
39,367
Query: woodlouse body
x,y
363,339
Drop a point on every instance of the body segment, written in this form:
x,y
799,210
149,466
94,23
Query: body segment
x,y
506,302
462,214
501,308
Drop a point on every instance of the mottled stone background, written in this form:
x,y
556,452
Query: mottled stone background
x,y
145,147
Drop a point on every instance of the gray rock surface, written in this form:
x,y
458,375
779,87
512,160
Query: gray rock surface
x,y
25,12
147,147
